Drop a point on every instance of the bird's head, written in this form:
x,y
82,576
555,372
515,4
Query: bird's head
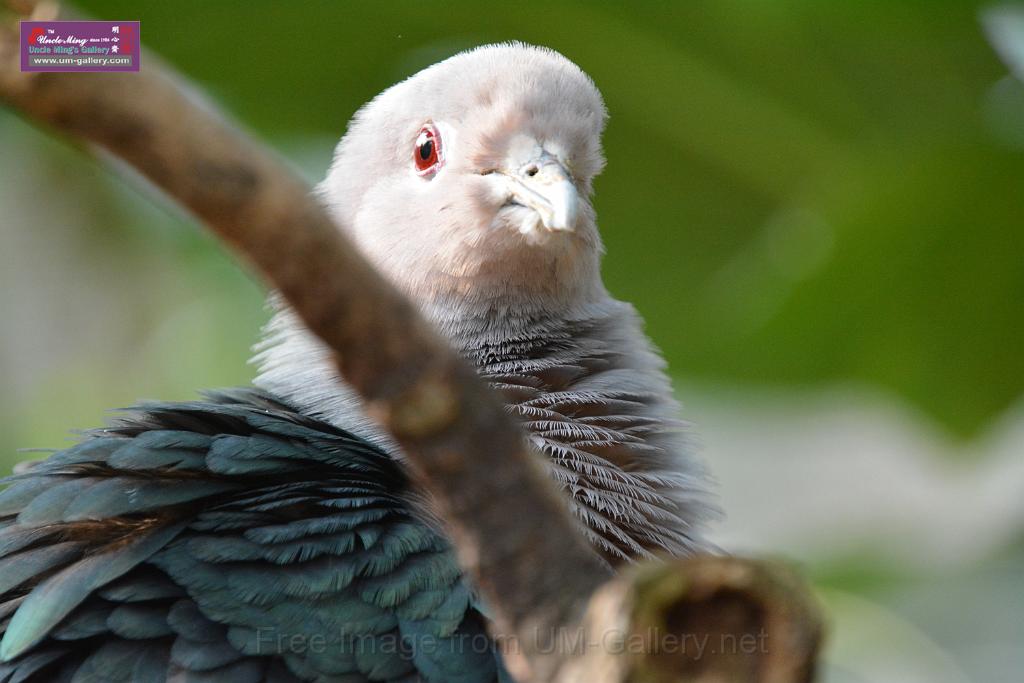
x,y
470,181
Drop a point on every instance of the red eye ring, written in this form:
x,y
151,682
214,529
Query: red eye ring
x,y
427,155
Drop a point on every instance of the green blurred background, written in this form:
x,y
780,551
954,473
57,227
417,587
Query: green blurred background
x,y
818,208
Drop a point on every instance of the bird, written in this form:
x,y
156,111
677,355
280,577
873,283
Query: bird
x,y
273,532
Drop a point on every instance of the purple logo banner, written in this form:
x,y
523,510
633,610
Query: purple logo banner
x,y
80,46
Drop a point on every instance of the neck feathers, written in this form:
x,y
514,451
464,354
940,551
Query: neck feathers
x,y
590,391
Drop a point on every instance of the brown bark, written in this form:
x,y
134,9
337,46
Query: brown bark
x,y
703,620
511,528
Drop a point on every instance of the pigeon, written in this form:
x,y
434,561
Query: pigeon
x,y
272,532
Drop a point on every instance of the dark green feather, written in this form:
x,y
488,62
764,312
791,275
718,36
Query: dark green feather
x,y
53,599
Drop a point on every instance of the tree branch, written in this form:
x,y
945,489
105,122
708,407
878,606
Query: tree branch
x,y
467,451
535,570
702,620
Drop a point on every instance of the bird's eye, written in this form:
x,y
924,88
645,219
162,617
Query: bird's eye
x,y
427,155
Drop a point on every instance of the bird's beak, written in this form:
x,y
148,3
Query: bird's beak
x,y
546,187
